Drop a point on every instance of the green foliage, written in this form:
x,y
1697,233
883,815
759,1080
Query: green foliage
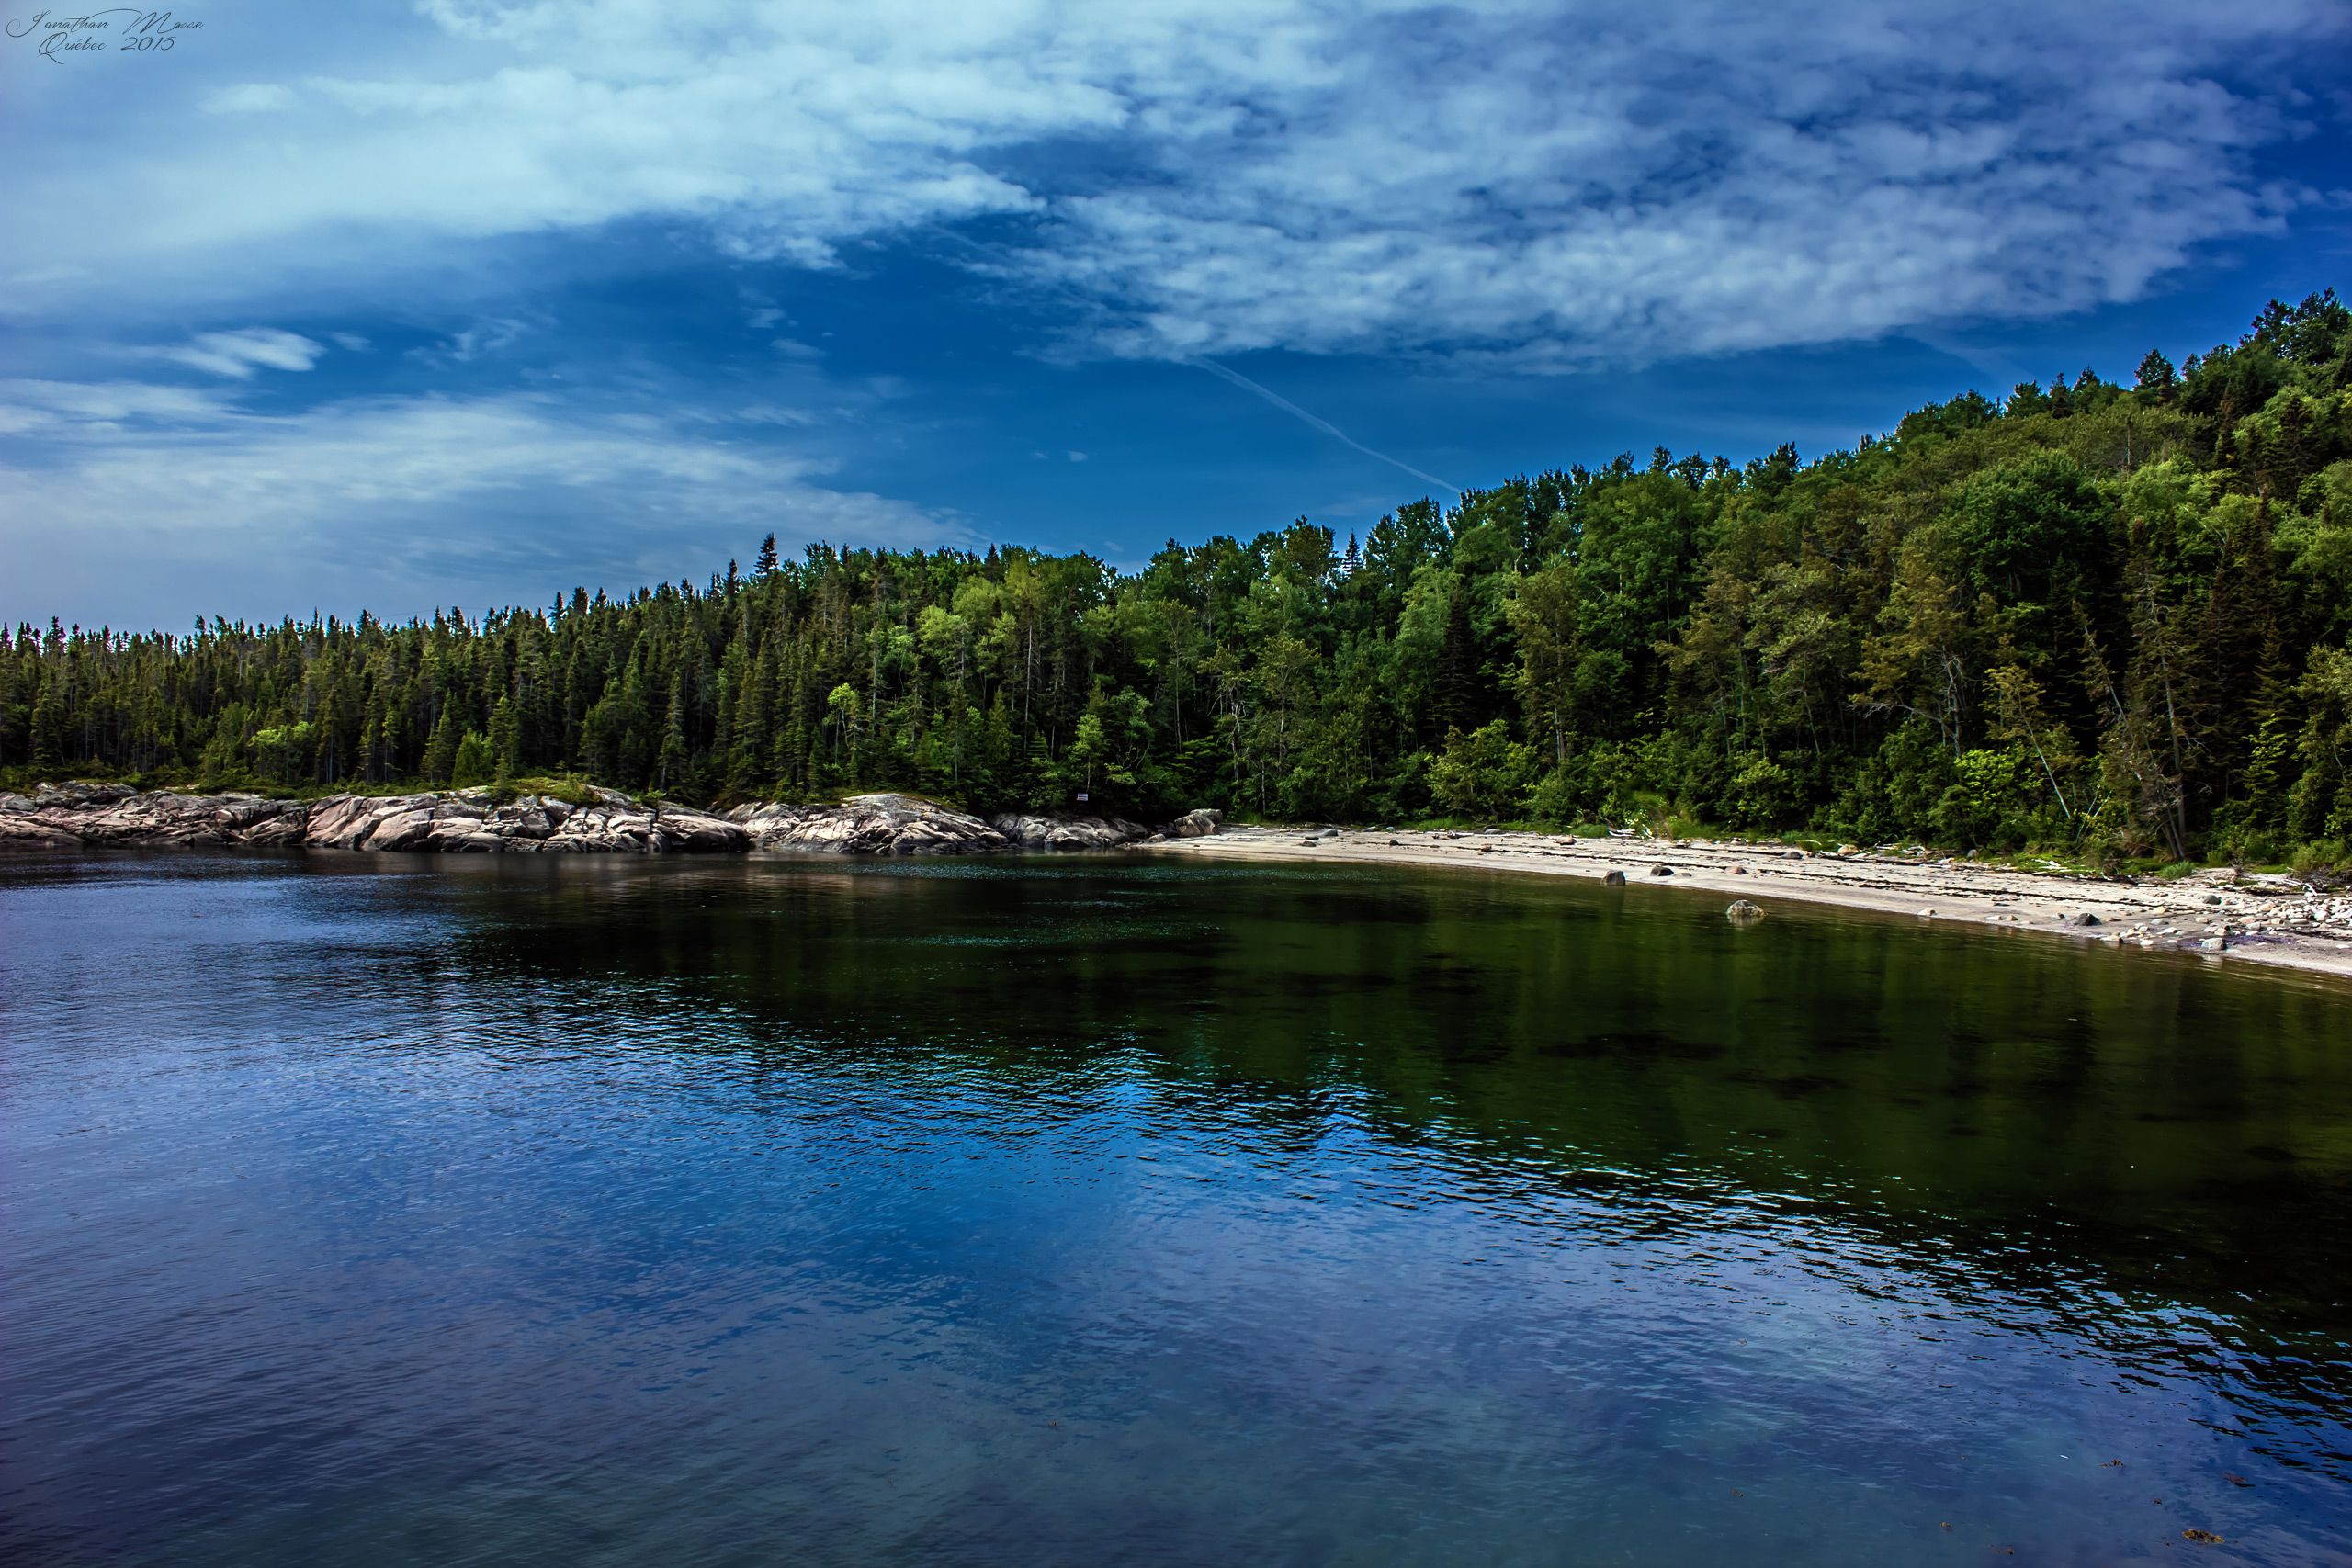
x,y
2111,622
472,765
1482,776
1762,794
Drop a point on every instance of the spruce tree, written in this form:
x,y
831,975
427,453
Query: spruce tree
x,y
441,751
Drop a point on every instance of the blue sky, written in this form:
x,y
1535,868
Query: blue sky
x,y
470,301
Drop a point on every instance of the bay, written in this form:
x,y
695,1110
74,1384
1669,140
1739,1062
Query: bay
x,y
372,1210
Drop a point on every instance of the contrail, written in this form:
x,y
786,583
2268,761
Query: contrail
x,y
1325,425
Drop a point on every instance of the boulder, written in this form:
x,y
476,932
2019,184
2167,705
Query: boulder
x,y
1741,912
1197,823
403,826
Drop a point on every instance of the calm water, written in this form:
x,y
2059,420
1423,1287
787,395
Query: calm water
x,y
601,1212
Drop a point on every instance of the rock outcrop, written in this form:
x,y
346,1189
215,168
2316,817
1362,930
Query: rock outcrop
x,y
1070,832
66,816
472,822
446,821
869,824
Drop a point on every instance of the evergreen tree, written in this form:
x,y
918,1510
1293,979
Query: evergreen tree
x,y
441,751
2112,620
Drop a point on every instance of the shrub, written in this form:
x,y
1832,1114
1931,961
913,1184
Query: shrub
x,y
1482,776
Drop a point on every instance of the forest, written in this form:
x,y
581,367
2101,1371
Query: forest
x,y
2113,622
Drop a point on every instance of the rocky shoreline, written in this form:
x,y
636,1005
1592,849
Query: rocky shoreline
x,y
2259,918
92,815
2267,920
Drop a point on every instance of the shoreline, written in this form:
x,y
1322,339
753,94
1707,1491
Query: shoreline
x,y
2269,920
595,820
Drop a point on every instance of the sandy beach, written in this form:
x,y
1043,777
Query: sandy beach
x,y
2268,919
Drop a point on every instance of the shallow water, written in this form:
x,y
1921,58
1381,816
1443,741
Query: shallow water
x,y
379,1210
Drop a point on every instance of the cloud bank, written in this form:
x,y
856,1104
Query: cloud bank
x,y
1499,186
1544,183
407,502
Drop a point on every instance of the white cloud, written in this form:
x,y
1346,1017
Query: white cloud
x,y
770,413
239,354
251,97
477,342
1534,180
161,503
102,409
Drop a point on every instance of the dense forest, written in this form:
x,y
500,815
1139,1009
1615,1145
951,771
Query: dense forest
x,y
2114,621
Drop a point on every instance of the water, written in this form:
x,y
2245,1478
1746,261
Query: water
x,y
387,1210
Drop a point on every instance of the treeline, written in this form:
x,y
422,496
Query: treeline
x,y
2116,620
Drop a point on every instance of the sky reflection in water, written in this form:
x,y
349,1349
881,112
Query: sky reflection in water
x,y
384,1211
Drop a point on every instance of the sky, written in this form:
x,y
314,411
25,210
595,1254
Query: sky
x,y
317,308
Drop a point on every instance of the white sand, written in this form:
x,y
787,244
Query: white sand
x,y
2260,919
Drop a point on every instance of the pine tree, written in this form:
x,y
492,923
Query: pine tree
x,y
507,738
49,726
671,764
441,751
472,765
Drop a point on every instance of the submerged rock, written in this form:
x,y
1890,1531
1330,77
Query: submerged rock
x,y
1740,912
